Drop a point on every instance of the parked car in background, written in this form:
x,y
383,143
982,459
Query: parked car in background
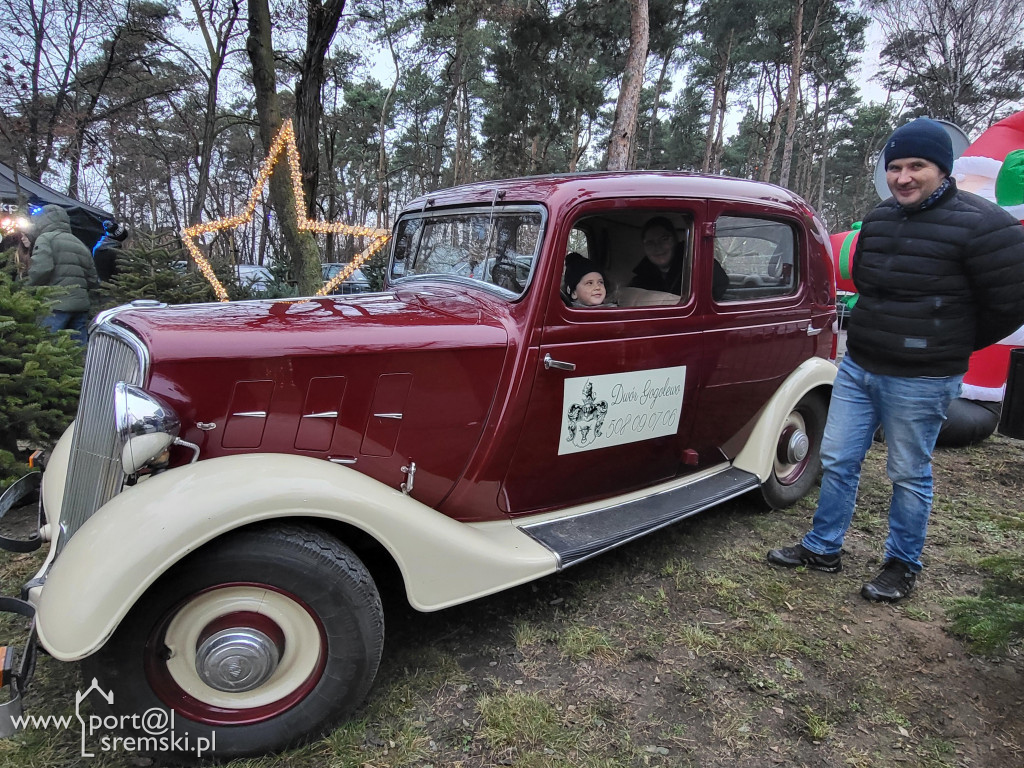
x,y
354,283
254,277
240,474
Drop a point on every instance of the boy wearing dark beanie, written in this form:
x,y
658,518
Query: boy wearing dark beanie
x,y
584,281
939,272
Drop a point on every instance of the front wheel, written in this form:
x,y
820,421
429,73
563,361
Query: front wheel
x,y
259,641
797,461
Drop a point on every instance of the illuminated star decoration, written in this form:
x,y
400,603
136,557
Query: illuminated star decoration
x,y
284,142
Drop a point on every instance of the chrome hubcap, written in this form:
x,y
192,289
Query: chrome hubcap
x,y
794,446
237,659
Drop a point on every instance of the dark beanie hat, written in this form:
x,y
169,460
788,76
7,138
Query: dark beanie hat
x,y
576,266
922,138
115,229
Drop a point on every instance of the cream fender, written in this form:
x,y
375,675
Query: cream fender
x,y
758,453
128,543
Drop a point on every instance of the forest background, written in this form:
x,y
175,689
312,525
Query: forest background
x,y
162,112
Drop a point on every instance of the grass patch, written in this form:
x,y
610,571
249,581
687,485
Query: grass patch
x,y
527,634
698,638
817,724
994,619
989,624
580,642
657,604
518,718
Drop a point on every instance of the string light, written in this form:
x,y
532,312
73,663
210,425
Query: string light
x,y
11,224
283,143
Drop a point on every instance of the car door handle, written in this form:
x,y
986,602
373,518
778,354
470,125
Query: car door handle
x,y
550,362
812,331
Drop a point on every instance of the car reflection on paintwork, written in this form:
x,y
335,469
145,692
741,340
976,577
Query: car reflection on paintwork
x,y
357,282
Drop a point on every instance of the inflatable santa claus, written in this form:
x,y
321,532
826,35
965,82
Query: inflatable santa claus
x,y
992,167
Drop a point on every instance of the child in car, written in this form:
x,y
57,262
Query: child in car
x,y
584,282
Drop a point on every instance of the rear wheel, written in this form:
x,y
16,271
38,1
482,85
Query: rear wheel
x,y
257,642
797,461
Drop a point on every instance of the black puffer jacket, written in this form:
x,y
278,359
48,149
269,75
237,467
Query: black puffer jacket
x,y
935,285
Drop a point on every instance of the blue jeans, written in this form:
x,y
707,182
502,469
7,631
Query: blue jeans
x,y
77,322
911,411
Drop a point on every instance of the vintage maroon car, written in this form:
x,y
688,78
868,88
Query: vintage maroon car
x,y
238,472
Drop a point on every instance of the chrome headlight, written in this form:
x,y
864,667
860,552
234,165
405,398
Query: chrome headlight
x,y
146,427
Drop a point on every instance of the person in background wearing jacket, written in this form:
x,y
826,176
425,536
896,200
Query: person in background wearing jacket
x,y
61,260
939,272
106,251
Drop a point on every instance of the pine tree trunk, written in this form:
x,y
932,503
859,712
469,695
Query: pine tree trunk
x,y
795,67
300,246
321,24
776,135
382,158
628,104
718,101
658,88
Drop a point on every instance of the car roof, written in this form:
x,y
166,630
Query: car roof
x,y
553,188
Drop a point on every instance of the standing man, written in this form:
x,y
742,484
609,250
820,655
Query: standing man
x,y
60,259
940,274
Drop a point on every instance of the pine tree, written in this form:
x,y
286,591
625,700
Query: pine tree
x,y
158,268
375,269
40,377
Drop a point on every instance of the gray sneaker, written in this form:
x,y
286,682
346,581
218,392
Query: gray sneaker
x,y
895,582
798,555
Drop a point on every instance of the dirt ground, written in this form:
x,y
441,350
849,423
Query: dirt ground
x,y
890,684
689,649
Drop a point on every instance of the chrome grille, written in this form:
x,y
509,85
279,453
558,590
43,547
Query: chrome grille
x,y
94,473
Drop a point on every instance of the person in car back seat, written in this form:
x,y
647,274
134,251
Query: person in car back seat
x,y
584,282
664,262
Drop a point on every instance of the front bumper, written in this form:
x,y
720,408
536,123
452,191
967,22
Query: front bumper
x,y
17,665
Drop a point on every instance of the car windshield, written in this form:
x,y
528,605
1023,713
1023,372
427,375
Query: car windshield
x,y
494,246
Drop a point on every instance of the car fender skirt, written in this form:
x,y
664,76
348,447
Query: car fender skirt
x,y
758,453
124,548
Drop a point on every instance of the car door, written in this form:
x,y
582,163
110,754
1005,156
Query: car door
x,y
609,408
761,328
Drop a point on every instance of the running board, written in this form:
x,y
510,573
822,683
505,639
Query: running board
x,y
578,538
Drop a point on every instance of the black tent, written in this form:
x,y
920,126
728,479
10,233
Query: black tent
x,y
86,220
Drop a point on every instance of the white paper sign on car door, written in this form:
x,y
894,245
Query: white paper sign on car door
x,y
620,408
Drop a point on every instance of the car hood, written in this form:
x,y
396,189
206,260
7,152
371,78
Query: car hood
x,y
429,318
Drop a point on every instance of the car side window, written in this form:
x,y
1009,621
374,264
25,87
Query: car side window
x,y
645,256
493,246
758,256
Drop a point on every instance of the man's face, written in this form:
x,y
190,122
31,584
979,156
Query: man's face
x,y
659,247
912,179
590,290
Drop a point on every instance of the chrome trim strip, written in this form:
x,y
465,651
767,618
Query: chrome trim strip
x,y
397,416
322,415
253,414
104,317
343,460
